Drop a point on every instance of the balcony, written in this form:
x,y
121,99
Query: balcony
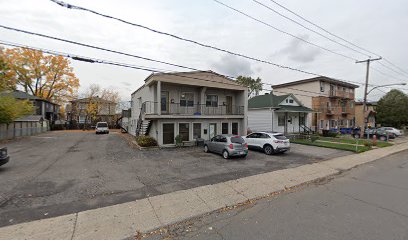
x,y
341,94
177,110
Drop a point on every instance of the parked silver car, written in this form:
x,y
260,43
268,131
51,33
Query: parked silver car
x,y
227,145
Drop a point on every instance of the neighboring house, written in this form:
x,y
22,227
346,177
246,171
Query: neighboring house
x,y
369,114
44,108
283,113
331,99
77,111
198,104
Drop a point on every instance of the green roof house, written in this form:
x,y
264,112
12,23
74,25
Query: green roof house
x,y
284,113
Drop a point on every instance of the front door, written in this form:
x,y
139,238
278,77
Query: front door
x,y
164,101
229,104
212,130
168,133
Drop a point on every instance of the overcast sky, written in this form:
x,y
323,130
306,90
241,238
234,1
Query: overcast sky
x,y
379,26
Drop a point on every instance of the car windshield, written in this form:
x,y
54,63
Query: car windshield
x,y
102,125
237,139
280,137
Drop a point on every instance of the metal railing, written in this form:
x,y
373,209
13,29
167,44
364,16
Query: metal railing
x,y
191,109
341,94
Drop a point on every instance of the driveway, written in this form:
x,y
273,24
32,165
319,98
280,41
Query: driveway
x,y
63,172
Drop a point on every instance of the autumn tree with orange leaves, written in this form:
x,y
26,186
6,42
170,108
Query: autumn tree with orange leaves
x,y
45,76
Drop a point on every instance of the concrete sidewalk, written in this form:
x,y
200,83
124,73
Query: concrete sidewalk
x,y
125,220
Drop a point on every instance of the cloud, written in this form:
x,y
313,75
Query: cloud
x,y
298,51
233,66
126,84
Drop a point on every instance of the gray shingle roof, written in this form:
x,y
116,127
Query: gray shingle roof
x,y
273,101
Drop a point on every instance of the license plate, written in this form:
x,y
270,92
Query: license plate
x,y
241,152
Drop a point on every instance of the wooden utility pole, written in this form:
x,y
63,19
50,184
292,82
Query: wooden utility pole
x,y
365,89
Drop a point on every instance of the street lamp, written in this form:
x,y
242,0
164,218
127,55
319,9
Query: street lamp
x,y
365,100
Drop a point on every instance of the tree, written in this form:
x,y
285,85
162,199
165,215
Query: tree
x,y
253,85
45,76
392,109
11,109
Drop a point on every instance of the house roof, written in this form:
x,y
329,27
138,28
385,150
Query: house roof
x,y
195,78
273,101
97,98
23,95
323,79
30,118
266,101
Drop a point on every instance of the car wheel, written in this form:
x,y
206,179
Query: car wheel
x,y
206,149
383,138
268,149
225,154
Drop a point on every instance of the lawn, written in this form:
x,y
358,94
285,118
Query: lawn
x,y
380,144
342,144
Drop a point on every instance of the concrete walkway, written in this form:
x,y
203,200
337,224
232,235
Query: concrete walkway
x,y
125,220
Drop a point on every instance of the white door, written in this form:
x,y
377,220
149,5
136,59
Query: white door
x,y
212,130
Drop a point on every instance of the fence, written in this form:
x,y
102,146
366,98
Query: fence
x,y
23,128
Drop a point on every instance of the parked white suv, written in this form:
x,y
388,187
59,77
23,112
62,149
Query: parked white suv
x,y
102,127
269,142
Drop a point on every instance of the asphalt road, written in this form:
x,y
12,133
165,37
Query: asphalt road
x,y
58,173
370,202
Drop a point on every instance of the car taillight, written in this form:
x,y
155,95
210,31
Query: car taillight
x,y
276,141
231,146
246,145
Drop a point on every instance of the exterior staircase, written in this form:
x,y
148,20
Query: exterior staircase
x,y
306,130
143,126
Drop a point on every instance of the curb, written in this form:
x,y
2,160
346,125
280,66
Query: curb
x,y
125,220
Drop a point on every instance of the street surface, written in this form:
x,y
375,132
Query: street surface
x,y
59,173
369,202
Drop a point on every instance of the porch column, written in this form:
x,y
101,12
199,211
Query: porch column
x,y
158,102
286,124
202,100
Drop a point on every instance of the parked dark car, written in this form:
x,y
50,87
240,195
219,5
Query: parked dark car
x,y
379,133
4,158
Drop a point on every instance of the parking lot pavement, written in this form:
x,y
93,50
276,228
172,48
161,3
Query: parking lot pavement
x,y
65,172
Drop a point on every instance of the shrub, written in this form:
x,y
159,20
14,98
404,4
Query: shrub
x,y
146,141
368,144
332,134
314,138
179,140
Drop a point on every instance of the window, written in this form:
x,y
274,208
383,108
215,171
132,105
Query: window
x,y
302,120
81,119
212,101
187,99
196,130
224,128
235,128
321,124
237,139
253,135
223,139
280,137
290,100
281,120
184,131
321,86
263,135
351,105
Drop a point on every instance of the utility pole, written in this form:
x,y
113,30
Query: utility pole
x,y
365,90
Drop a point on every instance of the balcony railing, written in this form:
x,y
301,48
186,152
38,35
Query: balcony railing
x,y
341,94
191,109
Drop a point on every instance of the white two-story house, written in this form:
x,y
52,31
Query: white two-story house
x,y
198,104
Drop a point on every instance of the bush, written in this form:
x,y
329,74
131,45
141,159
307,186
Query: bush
x,y
146,141
179,140
314,138
368,144
332,134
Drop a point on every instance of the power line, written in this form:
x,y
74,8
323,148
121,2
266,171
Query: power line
x,y
309,29
284,32
334,35
321,28
95,47
386,74
391,69
70,6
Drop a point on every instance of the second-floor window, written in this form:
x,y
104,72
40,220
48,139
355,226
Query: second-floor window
x,y
187,99
212,101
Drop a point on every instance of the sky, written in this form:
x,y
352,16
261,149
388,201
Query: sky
x,y
378,26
